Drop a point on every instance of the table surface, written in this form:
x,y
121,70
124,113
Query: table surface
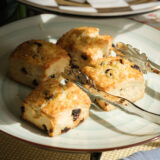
x,y
13,149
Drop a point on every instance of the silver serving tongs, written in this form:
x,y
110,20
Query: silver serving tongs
x,y
81,78
131,109
134,55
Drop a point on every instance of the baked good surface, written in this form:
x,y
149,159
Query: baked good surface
x,y
117,76
56,106
35,60
85,45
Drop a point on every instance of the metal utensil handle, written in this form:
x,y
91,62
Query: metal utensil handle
x,y
134,109
131,109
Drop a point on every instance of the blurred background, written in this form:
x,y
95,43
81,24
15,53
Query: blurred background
x,y
10,11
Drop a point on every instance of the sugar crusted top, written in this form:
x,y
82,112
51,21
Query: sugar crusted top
x,y
53,96
39,52
109,72
87,41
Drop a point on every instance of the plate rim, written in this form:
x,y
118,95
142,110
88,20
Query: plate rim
x,y
86,14
80,150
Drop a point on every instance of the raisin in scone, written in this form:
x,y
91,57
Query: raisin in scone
x,y
85,45
35,60
117,76
56,106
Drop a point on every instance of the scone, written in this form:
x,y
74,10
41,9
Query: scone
x,y
85,45
117,76
35,60
56,106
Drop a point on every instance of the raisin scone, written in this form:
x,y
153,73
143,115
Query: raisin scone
x,y
35,60
117,76
85,45
56,106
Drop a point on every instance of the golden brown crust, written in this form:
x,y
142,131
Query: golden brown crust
x,y
56,106
39,52
116,76
50,97
35,60
85,45
109,72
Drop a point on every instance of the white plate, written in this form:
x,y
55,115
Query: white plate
x,y
102,130
98,8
